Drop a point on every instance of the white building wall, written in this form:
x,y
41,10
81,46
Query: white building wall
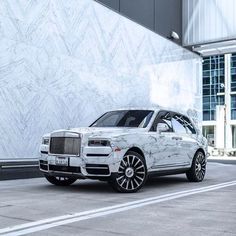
x,y
208,21
63,63
220,127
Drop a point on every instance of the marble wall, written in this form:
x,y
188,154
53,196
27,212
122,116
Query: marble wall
x,y
63,63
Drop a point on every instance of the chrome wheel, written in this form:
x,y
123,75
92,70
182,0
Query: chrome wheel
x,y
200,166
198,169
131,173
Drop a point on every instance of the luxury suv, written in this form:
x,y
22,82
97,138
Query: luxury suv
x,y
124,147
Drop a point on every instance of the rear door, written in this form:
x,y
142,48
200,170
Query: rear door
x,y
183,140
190,142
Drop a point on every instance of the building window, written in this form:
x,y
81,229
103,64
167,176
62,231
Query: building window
x,y
213,85
209,134
233,86
233,73
233,107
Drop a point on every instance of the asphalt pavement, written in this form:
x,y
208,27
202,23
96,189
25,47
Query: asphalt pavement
x,y
165,206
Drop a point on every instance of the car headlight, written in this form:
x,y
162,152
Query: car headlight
x,y
45,140
99,143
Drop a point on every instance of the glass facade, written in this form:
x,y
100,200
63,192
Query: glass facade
x,y
213,85
233,87
219,88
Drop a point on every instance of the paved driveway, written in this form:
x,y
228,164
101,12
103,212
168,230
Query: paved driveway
x,y
165,206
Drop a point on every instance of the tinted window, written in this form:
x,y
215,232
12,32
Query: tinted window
x,y
163,117
125,118
189,126
178,124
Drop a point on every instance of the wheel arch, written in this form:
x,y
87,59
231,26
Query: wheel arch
x,y
121,181
201,150
137,150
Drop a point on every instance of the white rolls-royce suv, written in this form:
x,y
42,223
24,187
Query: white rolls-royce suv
x,y
124,147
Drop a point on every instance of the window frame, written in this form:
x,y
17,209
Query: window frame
x,y
152,112
180,115
155,122
190,121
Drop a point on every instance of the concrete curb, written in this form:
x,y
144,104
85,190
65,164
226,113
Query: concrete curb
x,y
19,169
222,159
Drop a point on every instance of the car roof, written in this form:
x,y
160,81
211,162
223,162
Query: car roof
x,y
154,108
136,108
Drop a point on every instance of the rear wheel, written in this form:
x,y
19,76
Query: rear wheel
x,y
198,168
131,175
60,181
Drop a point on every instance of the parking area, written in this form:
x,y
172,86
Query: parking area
x,y
165,206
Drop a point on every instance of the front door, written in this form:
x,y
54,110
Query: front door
x,y
163,144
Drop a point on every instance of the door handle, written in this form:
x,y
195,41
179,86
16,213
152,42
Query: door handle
x,y
177,138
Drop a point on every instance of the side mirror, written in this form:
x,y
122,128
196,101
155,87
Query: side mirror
x,y
162,127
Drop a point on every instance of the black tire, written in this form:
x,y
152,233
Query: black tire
x,y
132,174
198,169
60,181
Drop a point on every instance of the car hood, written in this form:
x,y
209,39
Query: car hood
x,y
102,131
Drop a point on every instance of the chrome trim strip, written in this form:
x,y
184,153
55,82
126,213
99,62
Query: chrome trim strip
x,y
72,173
62,155
170,165
96,167
61,172
97,155
89,175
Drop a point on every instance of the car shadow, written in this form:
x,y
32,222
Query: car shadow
x,y
95,186
163,180
81,186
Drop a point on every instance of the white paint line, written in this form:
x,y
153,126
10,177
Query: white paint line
x,y
71,218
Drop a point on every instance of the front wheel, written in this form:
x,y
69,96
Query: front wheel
x,y
131,175
60,181
198,168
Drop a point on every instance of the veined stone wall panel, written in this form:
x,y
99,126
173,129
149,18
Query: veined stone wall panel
x,y
64,63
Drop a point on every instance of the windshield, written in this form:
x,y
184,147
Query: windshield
x,y
124,118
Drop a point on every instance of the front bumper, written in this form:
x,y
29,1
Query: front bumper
x,y
85,166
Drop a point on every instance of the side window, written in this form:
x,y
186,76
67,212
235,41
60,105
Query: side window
x,y
189,126
163,117
178,124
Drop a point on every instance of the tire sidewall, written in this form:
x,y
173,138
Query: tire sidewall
x,y
116,185
192,172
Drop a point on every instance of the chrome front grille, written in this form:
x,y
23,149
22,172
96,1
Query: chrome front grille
x,y
65,145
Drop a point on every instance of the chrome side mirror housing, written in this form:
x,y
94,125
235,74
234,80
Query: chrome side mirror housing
x,y
162,127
